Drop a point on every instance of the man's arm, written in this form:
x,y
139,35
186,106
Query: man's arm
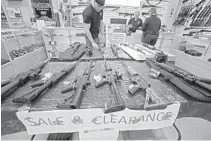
x,y
145,25
88,33
129,21
87,24
102,27
102,38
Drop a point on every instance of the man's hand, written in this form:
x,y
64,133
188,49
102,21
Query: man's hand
x,y
95,45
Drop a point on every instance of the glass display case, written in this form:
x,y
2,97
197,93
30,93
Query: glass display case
x,y
20,43
21,50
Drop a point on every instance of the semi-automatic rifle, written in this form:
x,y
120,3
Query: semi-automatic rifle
x,y
22,79
110,77
79,86
204,83
138,83
73,102
79,50
198,93
35,93
135,83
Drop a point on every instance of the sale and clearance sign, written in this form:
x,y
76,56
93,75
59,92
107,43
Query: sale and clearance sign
x,y
89,120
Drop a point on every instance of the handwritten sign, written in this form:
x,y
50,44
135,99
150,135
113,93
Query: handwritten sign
x,y
62,121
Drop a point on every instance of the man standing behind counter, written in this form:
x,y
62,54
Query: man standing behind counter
x,y
151,28
93,24
135,23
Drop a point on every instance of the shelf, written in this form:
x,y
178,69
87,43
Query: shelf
x,y
4,65
28,54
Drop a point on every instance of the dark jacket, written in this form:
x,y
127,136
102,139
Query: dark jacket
x,y
151,26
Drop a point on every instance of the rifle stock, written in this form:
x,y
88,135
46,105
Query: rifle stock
x,y
118,102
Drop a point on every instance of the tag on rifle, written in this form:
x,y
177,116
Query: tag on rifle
x,y
66,82
131,86
97,78
48,75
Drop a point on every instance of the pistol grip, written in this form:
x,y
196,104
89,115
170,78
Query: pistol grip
x,y
37,84
134,90
100,83
66,89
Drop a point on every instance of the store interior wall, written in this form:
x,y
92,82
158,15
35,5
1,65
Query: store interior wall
x,y
25,10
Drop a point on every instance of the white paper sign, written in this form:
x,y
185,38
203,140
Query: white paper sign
x,y
62,121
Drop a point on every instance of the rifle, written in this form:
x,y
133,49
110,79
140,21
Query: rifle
x,y
202,82
79,86
200,17
35,93
205,16
135,84
189,89
110,77
150,95
22,79
208,22
75,46
195,12
78,51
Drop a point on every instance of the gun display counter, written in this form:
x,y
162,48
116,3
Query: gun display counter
x,y
21,49
78,79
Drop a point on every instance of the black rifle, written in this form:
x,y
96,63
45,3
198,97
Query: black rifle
x,y
75,47
200,17
35,93
79,86
208,22
111,77
137,85
135,81
198,6
205,83
189,89
78,51
22,79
